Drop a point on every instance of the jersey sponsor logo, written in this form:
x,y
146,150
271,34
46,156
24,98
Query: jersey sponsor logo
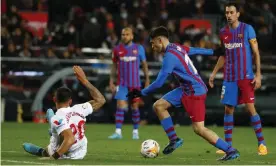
x,y
233,45
58,122
128,58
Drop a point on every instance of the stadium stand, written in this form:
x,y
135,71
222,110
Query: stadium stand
x,y
84,31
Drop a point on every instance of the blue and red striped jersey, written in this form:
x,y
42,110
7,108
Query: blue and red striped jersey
x,y
238,54
177,62
128,58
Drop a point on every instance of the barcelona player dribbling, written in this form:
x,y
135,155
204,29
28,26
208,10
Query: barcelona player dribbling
x,y
239,42
191,94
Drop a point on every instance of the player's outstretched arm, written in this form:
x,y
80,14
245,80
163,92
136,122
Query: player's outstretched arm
x,y
200,51
167,68
68,141
98,99
219,65
161,78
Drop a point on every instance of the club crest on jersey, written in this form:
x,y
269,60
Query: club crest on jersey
x,y
58,122
135,52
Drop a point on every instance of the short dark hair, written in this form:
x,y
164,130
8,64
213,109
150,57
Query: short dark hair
x,y
63,94
232,4
159,31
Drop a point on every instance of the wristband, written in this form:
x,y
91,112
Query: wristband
x,y
56,155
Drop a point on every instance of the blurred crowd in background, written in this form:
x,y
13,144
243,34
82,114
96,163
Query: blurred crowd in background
x,y
74,24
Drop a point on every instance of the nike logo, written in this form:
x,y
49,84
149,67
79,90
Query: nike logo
x,y
252,98
226,37
191,117
121,52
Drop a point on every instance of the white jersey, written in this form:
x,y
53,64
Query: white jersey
x,y
73,118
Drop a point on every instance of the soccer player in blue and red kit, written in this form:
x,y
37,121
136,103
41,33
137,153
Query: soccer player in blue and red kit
x,y
191,94
126,62
239,47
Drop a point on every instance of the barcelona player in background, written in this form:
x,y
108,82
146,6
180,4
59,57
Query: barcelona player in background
x,y
240,48
127,57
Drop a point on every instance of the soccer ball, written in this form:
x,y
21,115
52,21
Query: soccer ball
x,y
150,149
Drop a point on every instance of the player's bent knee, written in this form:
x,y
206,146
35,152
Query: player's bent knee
x,y
134,106
122,104
156,106
198,128
229,109
160,105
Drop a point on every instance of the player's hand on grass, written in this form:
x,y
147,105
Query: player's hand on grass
x,y
211,80
79,73
135,93
257,81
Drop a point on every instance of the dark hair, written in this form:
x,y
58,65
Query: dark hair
x,y
159,31
63,94
232,4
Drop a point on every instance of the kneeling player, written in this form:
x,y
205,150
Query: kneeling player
x,y
68,140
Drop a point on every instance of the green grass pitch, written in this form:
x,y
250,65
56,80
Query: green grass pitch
x,y
126,151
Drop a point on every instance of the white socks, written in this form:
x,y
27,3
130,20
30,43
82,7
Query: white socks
x,y
118,131
135,131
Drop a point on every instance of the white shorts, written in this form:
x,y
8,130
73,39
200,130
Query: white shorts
x,y
76,154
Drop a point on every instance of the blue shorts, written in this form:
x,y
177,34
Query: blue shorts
x,y
174,97
122,92
237,92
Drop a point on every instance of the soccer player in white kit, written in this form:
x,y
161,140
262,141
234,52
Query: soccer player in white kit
x,y
68,140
